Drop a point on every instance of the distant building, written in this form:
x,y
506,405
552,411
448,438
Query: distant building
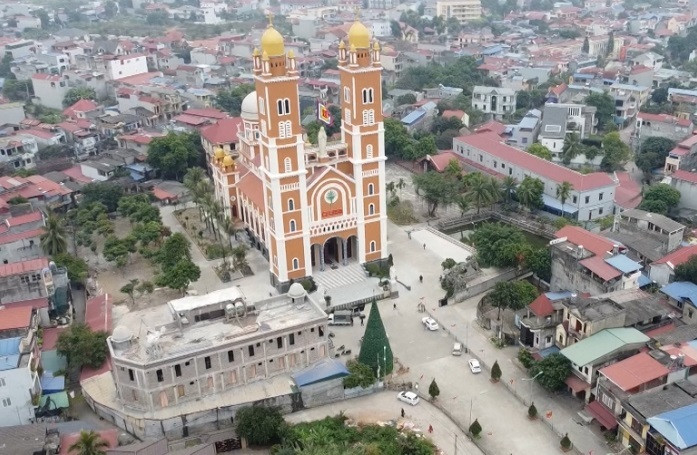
x,y
494,100
525,132
50,89
462,10
648,236
663,125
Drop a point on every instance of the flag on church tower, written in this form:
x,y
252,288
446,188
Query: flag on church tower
x,y
323,113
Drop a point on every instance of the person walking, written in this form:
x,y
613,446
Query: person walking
x,y
424,246
402,412
361,321
421,278
430,428
394,306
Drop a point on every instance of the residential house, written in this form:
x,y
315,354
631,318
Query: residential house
x,y
494,100
686,183
684,151
662,125
84,109
20,237
20,358
583,261
662,271
117,67
100,168
684,101
648,236
19,48
683,296
672,432
558,120
25,280
11,113
82,134
525,132
139,141
628,100
638,75
45,137
538,322
40,191
50,89
222,134
462,10
18,151
648,59
591,354
114,125
592,194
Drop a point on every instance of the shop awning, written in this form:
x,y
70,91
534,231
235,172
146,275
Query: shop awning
x,y
555,204
602,414
576,384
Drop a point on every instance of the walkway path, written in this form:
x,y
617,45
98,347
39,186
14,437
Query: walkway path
x,y
383,406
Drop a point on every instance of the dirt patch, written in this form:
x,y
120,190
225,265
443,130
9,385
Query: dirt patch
x,y
210,246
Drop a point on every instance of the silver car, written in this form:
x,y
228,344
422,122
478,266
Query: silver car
x,y
475,367
408,397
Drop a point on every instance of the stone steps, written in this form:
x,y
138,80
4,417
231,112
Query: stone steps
x,y
342,276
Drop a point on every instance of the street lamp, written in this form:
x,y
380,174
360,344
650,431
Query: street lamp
x,y
472,402
531,380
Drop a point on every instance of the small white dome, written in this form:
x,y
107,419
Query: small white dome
x,y
250,111
121,334
296,291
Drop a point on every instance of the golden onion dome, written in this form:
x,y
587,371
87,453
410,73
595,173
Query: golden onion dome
x,y
219,153
359,36
272,42
228,161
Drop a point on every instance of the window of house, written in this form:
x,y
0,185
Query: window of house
x,y
282,130
231,356
292,226
160,376
279,342
588,199
177,370
207,362
347,115
6,402
261,106
372,247
291,204
286,104
251,350
371,209
600,211
291,339
287,165
367,95
131,376
371,189
296,264
600,196
575,199
365,117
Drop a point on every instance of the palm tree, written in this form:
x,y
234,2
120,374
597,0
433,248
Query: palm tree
x,y
508,186
89,443
563,193
572,147
480,191
228,227
53,239
462,203
193,178
495,189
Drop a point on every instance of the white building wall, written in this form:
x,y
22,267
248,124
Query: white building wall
x,y
50,93
688,193
126,67
16,407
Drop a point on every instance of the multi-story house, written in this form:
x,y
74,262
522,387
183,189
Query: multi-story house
x,y
628,100
647,236
538,322
686,183
684,102
684,150
494,100
20,237
663,125
20,357
558,120
230,351
462,10
18,151
20,48
583,261
526,131
592,195
25,280
50,89
662,271
638,75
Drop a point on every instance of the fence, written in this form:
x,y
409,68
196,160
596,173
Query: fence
x,y
535,225
512,390
485,285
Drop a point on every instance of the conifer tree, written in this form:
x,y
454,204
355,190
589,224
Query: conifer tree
x,y
376,350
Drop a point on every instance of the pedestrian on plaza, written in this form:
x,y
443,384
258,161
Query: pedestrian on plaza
x,y
430,428
424,246
402,412
361,322
409,234
394,306
421,278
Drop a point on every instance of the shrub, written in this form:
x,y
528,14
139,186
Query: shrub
x,y
496,371
260,426
565,442
449,263
216,251
433,390
525,358
532,411
475,428
360,375
309,285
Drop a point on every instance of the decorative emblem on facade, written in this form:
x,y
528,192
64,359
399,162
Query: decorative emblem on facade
x,y
331,196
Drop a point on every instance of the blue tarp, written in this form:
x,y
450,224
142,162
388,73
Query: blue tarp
x,y
554,204
681,290
9,353
52,384
323,371
549,351
623,263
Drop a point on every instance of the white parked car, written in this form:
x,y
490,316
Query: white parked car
x,y
474,366
408,397
430,323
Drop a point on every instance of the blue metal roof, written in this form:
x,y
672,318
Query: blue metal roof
x,y
9,353
553,203
52,384
554,296
583,76
549,351
644,280
323,371
681,291
413,117
623,263
492,50
678,426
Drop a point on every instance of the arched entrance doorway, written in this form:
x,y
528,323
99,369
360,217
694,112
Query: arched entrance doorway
x,y
334,252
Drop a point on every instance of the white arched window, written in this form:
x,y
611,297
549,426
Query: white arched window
x,y
347,94
292,225
291,204
369,151
296,264
371,209
372,247
371,189
287,165
286,105
279,106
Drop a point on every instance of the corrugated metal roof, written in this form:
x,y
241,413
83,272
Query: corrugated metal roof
x,y
325,370
603,343
681,290
678,426
623,263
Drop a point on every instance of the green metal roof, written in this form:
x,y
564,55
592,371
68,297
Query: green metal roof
x,y
601,344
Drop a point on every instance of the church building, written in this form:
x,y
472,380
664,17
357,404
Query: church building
x,y
308,207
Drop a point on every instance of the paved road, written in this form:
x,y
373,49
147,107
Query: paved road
x,y
384,406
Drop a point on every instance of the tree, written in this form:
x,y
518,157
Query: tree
x,y
565,442
513,295
540,263
180,276
375,349
525,358
407,98
433,389
660,198
497,244
76,266
174,248
106,193
111,9
396,29
480,191
53,239
540,150
653,153
424,146
563,193
82,347
56,151
118,250
130,289
571,148
15,90
687,271
157,18
398,142
173,154
508,187
475,429
463,203
437,189
360,375
448,263
260,426
530,191
239,258
532,411
6,67
605,105
586,46
610,43
89,443
496,371
554,369
76,94
615,152
231,100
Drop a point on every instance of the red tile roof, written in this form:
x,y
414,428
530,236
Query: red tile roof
x,y
23,219
664,118
9,238
628,192
598,266
81,106
15,268
223,132
453,113
687,176
594,243
209,112
43,134
162,195
441,160
492,144
492,126
46,77
51,338
688,351
98,313
635,371
191,119
660,330
252,188
76,174
679,256
541,306
12,317
37,304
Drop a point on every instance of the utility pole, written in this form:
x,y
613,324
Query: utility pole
x,y
455,451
